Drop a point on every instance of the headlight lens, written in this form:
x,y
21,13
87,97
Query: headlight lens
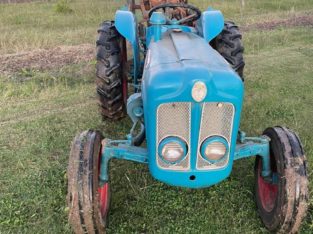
x,y
214,149
172,149
199,91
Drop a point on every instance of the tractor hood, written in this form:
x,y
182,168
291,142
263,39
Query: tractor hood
x,y
177,47
180,59
173,66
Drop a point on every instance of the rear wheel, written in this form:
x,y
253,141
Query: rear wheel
x,y
87,201
229,44
111,80
282,201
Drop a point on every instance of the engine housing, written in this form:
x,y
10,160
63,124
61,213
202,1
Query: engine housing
x,y
173,66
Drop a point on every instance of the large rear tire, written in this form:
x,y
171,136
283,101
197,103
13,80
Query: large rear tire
x,y
229,44
87,201
283,201
111,81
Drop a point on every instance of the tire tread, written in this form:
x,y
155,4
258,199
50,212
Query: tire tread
x,y
109,71
292,205
82,197
229,44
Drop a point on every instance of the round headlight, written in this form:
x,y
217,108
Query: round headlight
x,y
172,149
199,91
214,149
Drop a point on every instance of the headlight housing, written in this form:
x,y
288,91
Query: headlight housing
x,y
172,150
214,149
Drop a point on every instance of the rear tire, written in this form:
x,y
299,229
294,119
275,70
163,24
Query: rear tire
x,y
229,44
111,83
87,201
282,203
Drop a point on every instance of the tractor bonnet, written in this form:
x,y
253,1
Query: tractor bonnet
x,y
175,66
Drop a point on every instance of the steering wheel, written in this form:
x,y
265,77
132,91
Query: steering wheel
x,y
196,13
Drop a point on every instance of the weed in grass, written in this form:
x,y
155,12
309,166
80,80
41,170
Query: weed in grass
x,y
62,6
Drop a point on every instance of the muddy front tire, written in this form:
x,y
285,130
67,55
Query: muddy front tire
x,y
87,201
282,201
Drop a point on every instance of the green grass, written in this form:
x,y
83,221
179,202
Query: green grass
x,y
34,25
41,111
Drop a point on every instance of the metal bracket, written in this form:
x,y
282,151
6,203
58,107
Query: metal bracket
x,y
135,112
119,150
255,146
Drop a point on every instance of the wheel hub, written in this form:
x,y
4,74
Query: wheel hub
x,y
268,191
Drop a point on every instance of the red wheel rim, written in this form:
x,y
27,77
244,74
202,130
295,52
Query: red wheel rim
x,y
104,198
267,191
104,193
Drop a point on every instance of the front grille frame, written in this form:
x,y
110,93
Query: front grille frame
x,y
215,129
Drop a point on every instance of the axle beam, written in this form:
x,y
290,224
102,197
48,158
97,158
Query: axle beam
x,y
119,150
255,146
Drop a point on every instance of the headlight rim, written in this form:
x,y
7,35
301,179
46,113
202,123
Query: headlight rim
x,y
210,140
168,140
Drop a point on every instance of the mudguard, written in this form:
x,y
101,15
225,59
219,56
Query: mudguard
x,y
126,25
212,24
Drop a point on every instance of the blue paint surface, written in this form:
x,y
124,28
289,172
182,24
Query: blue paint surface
x,y
178,56
212,24
172,67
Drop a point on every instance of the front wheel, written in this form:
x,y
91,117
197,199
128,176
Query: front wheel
x,y
282,201
87,201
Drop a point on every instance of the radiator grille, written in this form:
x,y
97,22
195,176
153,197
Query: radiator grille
x,y
173,119
216,120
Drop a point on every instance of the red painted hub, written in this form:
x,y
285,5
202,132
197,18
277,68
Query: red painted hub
x,y
104,193
267,191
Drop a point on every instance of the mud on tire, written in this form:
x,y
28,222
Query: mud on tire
x,y
109,70
83,198
229,44
282,205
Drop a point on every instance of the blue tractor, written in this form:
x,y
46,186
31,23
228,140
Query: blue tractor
x,y
183,89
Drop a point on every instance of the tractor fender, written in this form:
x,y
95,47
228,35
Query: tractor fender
x,y
126,25
212,23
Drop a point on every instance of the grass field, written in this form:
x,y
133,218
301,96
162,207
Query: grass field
x,y
43,107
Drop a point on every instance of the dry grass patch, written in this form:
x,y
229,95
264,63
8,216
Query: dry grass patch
x,y
43,59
